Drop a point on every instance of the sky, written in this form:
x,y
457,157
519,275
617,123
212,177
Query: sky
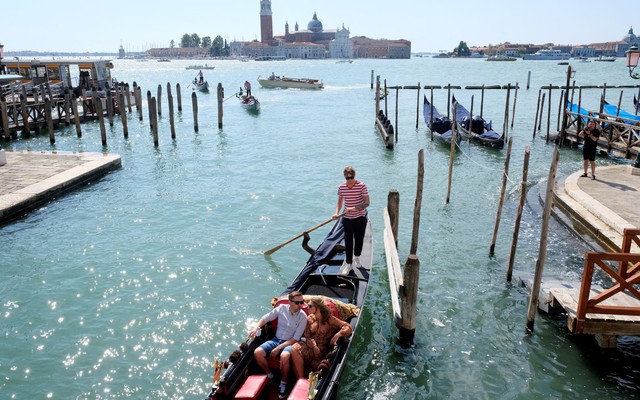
x,y
76,26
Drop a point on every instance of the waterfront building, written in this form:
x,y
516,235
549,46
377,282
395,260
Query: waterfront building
x,y
614,48
618,48
314,42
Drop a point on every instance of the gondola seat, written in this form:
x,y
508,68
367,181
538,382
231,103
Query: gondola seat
x,y
252,387
300,391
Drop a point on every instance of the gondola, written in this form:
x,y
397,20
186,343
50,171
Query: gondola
x,y
201,86
441,128
481,131
240,377
249,103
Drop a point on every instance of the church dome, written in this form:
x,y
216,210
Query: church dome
x,y
314,25
629,37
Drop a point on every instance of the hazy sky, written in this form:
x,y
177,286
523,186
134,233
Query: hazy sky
x,y
79,26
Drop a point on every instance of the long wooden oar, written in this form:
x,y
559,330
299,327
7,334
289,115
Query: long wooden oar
x,y
270,251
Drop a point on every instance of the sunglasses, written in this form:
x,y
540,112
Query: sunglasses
x,y
348,178
297,302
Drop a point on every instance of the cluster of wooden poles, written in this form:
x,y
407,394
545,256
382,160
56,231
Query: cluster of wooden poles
x,y
403,282
448,87
116,101
570,87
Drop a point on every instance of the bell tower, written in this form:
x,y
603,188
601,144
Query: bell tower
x,y
266,22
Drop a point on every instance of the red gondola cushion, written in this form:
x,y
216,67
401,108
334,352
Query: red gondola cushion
x,y
252,387
300,391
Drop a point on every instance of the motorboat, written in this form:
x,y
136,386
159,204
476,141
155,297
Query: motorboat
x,y
287,82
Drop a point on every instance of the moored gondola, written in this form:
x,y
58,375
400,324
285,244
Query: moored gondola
x,y
439,125
476,128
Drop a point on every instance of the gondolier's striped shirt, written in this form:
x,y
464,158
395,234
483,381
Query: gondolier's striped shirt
x,y
353,197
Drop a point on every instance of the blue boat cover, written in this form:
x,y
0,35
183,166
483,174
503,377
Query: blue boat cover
x,y
491,135
575,109
426,111
323,252
627,117
461,112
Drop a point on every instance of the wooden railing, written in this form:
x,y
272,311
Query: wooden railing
x,y
618,136
626,280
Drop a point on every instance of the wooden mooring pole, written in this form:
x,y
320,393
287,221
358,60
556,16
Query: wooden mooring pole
x,y
154,121
453,150
523,197
503,189
5,118
396,114
542,253
541,111
194,102
220,92
548,115
535,121
179,95
159,100
76,117
151,112
171,117
49,118
417,106
123,116
513,110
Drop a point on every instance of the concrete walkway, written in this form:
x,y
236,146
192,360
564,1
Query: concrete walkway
x,y
29,179
604,206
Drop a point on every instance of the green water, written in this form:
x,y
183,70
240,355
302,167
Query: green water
x,y
131,286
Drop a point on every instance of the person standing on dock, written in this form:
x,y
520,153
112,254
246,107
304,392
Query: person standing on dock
x,y
355,197
590,136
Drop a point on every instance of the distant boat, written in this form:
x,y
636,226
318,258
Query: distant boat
x,y
285,82
605,59
344,61
164,60
206,66
500,57
563,62
442,54
270,58
547,54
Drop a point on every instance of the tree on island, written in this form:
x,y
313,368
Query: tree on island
x,y
462,50
192,40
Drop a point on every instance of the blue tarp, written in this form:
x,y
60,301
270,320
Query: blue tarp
x,y
426,111
575,109
627,117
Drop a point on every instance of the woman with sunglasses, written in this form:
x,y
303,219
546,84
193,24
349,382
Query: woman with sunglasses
x,y
355,197
322,332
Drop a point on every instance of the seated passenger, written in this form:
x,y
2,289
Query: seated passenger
x,y
321,334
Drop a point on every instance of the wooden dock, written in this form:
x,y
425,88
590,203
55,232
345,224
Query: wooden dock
x,y
606,310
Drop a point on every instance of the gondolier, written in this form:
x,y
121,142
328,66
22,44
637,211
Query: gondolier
x,y
355,197
247,88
